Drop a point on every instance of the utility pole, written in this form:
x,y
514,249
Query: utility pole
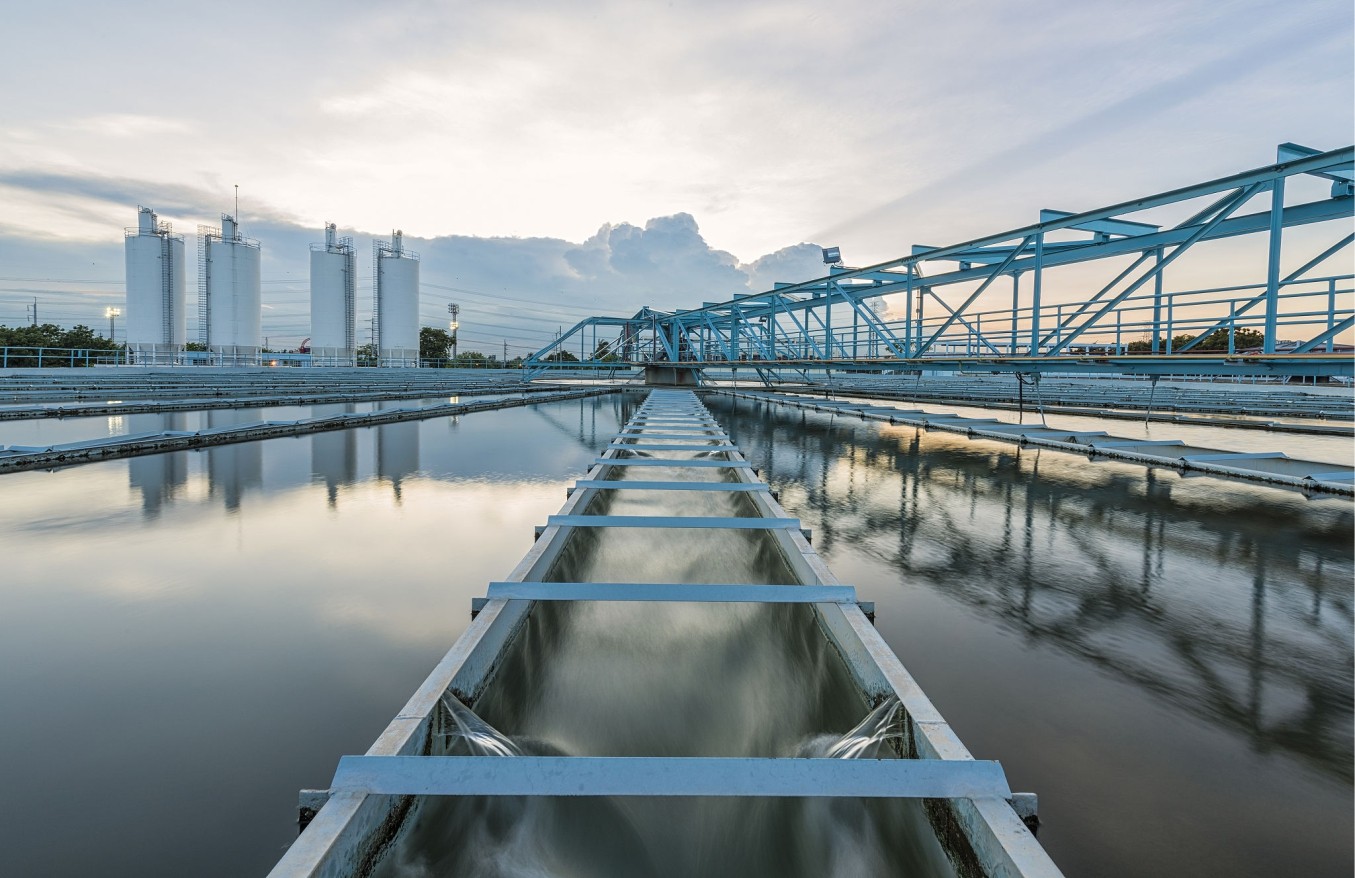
x,y
35,310
505,352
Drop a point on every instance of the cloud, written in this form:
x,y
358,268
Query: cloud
x,y
509,288
796,262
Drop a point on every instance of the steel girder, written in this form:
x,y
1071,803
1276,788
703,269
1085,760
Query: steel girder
x,y
829,324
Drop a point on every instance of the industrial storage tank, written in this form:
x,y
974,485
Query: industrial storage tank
x,y
333,295
396,281
230,306
156,320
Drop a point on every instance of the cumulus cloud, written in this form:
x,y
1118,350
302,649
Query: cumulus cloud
x,y
511,289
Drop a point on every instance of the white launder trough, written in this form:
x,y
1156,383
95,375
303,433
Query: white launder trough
x,y
968,802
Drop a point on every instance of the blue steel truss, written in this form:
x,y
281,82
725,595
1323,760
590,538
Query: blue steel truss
x,y
954,314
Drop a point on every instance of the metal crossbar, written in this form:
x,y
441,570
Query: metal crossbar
x,y
628,485
669,776
638,447
686,434
689,521
672,592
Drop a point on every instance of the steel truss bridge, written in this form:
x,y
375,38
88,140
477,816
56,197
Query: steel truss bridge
x,y
990,304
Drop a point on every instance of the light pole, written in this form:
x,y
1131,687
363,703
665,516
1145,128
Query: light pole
x,y
455,311
112,315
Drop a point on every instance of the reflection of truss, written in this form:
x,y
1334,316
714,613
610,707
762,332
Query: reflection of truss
x,y
1270,656
833,322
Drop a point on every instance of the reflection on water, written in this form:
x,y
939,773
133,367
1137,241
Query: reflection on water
x,y
397,450
233,470
334,454
159,477
235,623
1222,612
1165,660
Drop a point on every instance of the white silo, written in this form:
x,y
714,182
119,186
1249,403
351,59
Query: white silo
x,y
230,304
396,280
156,319
333,295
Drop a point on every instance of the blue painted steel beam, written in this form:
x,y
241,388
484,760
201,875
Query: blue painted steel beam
x,y
669,776
791,327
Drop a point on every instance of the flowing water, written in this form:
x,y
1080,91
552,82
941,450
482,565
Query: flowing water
x,y
636,679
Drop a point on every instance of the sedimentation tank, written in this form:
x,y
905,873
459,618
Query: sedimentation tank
x,y
229,289
333,295
156,321
396,282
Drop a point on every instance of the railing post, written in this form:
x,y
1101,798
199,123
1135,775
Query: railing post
x,y
1035,295
1171,320
1157,308
1331,314
908,312
1273,265
828,320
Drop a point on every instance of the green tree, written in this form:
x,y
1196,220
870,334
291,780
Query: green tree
x,y
562,356
603,352
474,359
1218,340
1213,343
366,355
434,343
24,342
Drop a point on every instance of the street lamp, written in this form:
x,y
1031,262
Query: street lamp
x,y
112,315
455,311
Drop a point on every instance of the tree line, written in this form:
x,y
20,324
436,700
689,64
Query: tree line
x,y
24,342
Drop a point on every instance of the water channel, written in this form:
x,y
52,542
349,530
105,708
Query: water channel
x,y
192,637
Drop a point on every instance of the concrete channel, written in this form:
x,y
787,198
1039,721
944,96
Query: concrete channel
x,y
1273,467
369,806
212,403
17,458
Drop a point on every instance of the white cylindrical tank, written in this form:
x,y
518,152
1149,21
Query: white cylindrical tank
x,y
333,294
232,300
397,302
156,320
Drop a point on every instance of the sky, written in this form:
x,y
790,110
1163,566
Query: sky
x,y
550,161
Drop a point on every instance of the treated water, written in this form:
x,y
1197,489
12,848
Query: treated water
x,y
633,679
190,638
